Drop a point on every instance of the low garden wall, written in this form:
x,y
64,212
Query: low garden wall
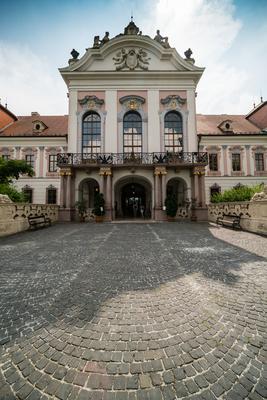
x,y
253,214
14,216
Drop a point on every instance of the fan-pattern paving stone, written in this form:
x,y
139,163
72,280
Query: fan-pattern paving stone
x,y
133,312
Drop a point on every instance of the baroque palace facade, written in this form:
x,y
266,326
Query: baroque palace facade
x,y
133,134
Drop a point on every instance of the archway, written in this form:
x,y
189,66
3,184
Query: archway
x,y
87,189
178,187
133,198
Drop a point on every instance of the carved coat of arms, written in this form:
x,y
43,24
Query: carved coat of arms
x,y
131,59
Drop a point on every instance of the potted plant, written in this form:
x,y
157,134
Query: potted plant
x,y
99,209
81,207
171,204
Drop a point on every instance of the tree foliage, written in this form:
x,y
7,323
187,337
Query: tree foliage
x,y
12,169
241,193
13,193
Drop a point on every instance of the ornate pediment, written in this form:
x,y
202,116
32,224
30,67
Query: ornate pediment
x,y
91,101
131,59
132,102
173,101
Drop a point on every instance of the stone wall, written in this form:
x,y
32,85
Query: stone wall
x,y
14,216
253,214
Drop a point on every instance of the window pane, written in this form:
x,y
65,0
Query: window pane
x,y
213,161
236,166
91,133
132,132
173,128
259,161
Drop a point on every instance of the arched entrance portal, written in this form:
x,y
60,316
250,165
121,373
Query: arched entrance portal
x,y
133,198
177,187
87,189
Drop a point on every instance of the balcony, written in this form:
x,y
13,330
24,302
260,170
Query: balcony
x,y
131,159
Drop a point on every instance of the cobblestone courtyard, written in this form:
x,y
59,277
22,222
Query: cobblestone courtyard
x,y
133,312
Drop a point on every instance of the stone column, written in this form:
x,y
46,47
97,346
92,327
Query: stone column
x,y
225,162
156,191
62,191
65,212
109,197
163,187
108,191
196,186
68,191
41,161
247,147
106,175
202,188
160,190
17,153
102,182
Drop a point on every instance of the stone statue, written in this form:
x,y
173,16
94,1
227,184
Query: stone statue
x,y
261,195
188,53
131,59
5,199
74,54
163,40
120,59
97,42
105,39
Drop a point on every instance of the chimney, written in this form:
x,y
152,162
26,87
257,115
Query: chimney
x,y
34,113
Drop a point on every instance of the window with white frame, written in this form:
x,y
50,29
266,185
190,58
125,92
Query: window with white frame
x,y
236,162
51,195
259,161
29,158
52,163
173,132
213,162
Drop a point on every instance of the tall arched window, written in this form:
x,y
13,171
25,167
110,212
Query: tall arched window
x,y
91,133
132,132
173,132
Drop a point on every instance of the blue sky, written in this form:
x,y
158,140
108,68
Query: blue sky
x,y
228,37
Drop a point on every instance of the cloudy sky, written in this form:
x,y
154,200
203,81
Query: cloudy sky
x,y
228,37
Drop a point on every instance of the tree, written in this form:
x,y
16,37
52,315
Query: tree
x,y
12,169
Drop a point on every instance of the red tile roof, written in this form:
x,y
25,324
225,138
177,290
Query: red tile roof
x,y
57,125
208,124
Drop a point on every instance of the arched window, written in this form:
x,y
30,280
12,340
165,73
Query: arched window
x,y
173,132
91,133
132,132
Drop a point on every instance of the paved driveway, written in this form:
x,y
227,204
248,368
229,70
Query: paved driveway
x,y
133,312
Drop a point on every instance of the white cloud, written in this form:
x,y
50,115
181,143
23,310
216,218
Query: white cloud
x,y
28,82
209,28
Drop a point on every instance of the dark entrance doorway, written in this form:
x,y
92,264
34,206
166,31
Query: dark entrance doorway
x,y
133,200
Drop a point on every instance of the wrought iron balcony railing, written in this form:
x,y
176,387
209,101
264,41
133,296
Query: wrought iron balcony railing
x,y
135,159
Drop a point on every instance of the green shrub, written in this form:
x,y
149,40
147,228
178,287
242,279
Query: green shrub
x,y
241,193
12,192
